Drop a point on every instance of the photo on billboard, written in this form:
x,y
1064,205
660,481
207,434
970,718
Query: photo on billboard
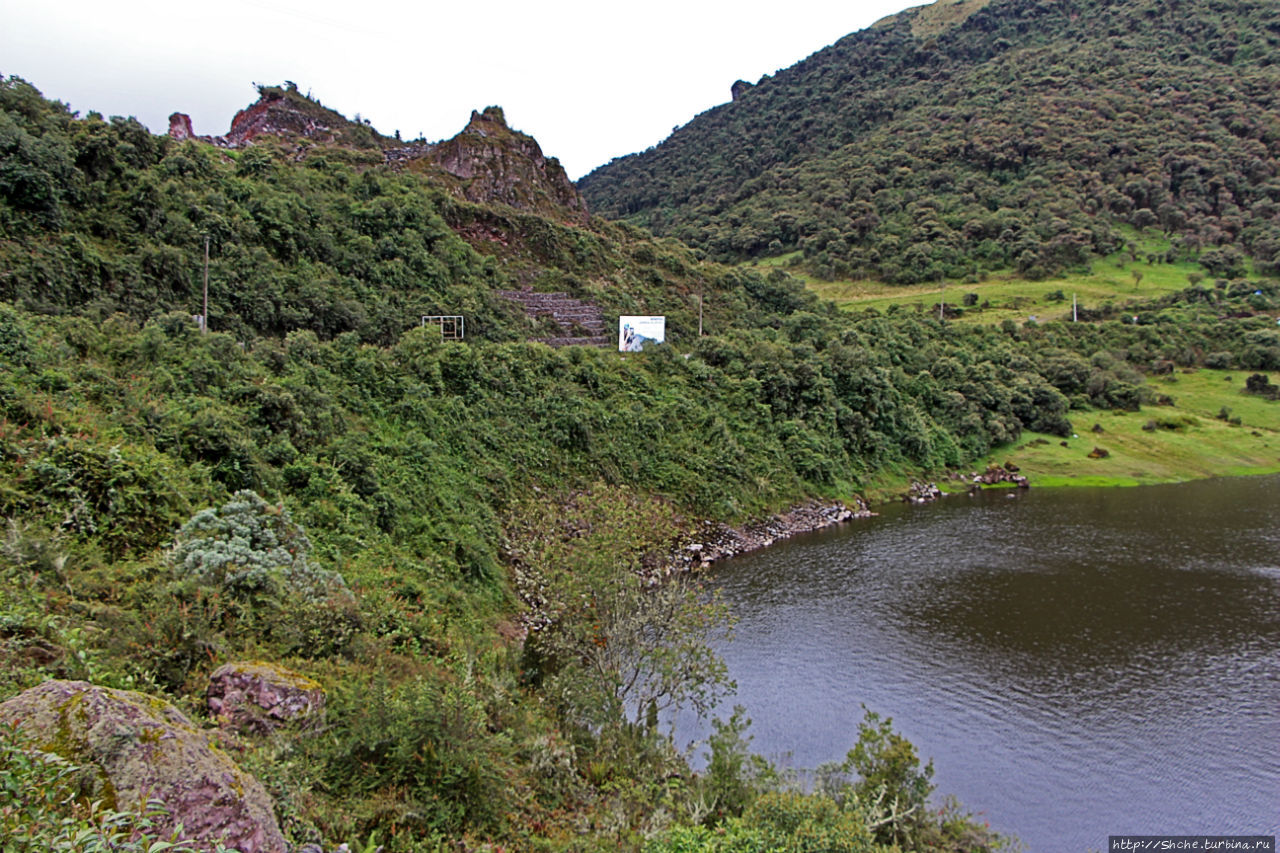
x,y
636,333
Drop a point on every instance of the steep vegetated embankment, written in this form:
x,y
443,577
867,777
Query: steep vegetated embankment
x,y
456,539
954,139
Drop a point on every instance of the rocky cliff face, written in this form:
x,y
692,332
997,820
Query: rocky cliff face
x,y
276,115
487,162
284,113
493,163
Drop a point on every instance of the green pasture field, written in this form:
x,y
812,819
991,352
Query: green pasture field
x,y
1185,441
1119,278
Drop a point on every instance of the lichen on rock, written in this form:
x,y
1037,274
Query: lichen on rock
x,y
145,749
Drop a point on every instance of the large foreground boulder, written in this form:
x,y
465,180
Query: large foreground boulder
x,y
145,749
256,698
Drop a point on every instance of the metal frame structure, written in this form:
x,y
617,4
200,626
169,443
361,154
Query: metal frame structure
x,y
453,327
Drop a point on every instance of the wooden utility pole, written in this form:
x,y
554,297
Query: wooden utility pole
x,y
1075,314
699,315
204,318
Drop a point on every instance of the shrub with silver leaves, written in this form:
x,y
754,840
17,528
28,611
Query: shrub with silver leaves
x,y
248,547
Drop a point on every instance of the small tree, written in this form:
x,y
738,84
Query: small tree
x,y
889,785
735,776
620,644
627,651
882,758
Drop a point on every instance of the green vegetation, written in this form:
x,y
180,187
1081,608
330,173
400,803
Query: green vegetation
x,y
458,487
954,140
465,542
872,802
1210,427
101,218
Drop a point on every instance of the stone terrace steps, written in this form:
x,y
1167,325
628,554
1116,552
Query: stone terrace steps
x,y
595,341
567,312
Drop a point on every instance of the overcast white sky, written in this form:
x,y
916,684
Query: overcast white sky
x,y
591,81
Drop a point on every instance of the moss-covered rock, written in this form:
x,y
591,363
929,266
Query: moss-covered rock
x,y
146,749
257,697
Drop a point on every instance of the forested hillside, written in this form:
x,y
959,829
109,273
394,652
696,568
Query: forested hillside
x,y
459,540
304,232
958,138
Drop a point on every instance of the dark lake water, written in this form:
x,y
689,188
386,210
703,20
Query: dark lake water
x,y
1078,662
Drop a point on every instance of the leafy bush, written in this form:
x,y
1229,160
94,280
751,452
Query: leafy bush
x,y
1260,384
735,776
14,343
428,744
777,822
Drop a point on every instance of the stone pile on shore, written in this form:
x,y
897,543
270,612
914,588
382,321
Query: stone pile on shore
x,y
720,540
995,475
922,493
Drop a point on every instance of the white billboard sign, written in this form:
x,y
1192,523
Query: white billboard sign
x,y
636,333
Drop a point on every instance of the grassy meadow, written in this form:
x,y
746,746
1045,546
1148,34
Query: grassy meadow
x,y
1123,277
1188,440
1160,444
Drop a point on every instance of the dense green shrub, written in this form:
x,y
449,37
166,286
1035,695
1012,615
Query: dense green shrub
x,y
429,737
1260,383
777,822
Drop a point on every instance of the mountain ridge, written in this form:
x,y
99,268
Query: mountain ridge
x,y
486,162
1027,134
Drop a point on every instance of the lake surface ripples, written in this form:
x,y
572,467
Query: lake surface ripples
x,y
1079,662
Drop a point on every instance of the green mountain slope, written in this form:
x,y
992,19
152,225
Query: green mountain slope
x,y
1016,134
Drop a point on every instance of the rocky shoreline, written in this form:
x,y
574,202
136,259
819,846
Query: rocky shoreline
x,y
716,540
709,541
720,540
